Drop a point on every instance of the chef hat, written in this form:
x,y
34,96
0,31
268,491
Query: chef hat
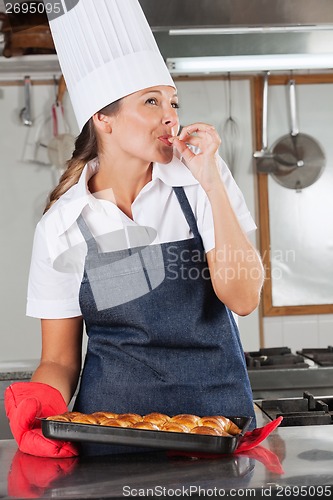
x,y
106,51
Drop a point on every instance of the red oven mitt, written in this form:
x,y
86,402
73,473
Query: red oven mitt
x,y
30,477
253,438
250,440
25,402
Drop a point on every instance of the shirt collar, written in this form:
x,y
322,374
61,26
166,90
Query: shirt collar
x,y
174,174
68,208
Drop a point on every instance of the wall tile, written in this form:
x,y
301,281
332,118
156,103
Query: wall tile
x,y
325,330
300,331
273,332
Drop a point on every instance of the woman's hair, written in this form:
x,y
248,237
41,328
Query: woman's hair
x,y
86,148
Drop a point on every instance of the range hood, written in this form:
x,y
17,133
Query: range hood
x,y
246,14
290,34
217,36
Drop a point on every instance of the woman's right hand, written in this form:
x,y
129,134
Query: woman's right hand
x,y
25,404
203,165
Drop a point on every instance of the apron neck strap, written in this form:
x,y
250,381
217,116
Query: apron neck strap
x,y
86,233
187,210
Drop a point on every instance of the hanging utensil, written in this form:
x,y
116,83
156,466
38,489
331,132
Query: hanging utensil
x,y
230,134
25,113
264,158
61,146
299,157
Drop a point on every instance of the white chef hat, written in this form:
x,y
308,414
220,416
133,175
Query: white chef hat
x,y
106,51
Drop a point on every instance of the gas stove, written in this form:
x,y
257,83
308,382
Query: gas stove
x,y
306,410
277,372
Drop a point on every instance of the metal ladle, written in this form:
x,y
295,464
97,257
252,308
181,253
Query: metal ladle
x,y
266,160
25,113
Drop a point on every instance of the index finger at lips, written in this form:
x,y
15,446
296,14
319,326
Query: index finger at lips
x,y
197,129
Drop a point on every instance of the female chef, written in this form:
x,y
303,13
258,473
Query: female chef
x,y
144,242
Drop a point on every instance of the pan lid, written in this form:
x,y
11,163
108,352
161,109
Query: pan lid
x,y
299,161
299,158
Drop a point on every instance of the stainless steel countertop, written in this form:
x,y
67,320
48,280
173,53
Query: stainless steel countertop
x,y
289,459
17,370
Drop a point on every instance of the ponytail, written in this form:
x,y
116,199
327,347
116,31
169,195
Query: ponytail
x,y
86,149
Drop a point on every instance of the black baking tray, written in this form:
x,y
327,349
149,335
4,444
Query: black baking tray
x,y
70,431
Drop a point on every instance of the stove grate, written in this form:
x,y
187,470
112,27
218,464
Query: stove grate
x,y
321,356
299,411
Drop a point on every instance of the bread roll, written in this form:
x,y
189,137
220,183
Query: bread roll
x,y
114,422
73,414
211,422
228,425
145,425
130,417
84,418
156,418
100,415
60,418
174,427
204,429
189,421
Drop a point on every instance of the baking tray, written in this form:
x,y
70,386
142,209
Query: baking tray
x,y
70,431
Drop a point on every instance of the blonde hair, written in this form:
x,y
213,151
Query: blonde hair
x,y
86,148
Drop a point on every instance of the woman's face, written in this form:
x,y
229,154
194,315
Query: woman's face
x,y
145,121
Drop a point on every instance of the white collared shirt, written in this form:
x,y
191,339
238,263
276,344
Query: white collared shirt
x,y
59,248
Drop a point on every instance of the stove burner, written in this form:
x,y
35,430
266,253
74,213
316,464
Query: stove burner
x,y
274,358
321,356
299,411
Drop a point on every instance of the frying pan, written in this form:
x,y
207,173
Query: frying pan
x,y
299,158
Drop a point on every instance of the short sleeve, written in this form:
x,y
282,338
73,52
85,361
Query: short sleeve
x,y
51,294
205,216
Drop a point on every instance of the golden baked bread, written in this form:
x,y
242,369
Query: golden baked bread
x,y
145,425
156,418
84,419
174,427
228,425
189,421
130,417
114,422
204,429
59,418
215,425
100,415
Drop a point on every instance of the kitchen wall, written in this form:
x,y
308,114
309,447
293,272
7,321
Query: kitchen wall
x,y
23,191
26,183
302,221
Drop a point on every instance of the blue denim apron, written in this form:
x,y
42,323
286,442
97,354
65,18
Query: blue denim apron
x,y
175,349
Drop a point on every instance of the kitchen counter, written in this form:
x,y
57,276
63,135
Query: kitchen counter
x,y
17,370
12,371
289,459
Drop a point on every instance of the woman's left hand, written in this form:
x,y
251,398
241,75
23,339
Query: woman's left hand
x,y
204,164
